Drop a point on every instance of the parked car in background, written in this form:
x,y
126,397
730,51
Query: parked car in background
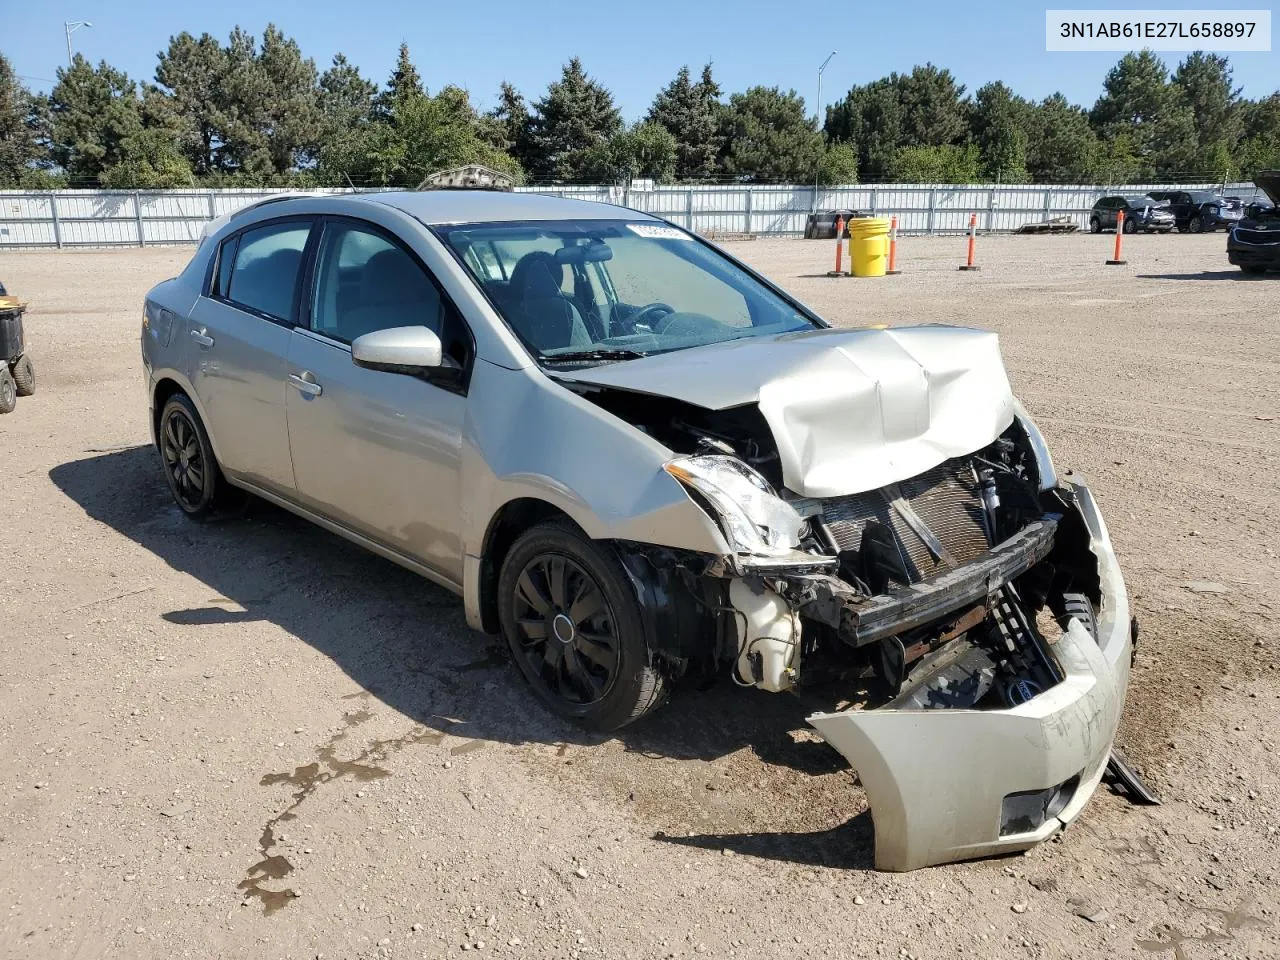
x,y
1144,213
1253,244
1201,211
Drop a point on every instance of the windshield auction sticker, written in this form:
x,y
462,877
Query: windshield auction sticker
x,y
657,231
1080,30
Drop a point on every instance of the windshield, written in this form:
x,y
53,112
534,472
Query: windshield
x,y
598,290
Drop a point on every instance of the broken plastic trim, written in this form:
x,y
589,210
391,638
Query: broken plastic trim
x,y
861,620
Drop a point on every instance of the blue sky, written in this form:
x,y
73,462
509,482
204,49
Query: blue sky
x,y
634,49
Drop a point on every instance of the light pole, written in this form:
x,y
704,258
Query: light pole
x,y
818,166
71,27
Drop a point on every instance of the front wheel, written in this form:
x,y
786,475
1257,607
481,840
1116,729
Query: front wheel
x,y
1196,225
574,627
1095,225
1252,268
1130,227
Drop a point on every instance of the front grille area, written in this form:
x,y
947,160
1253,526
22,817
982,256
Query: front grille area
x,y
945,498
1257,236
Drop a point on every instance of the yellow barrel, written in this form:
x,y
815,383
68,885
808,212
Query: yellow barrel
x,y
869,246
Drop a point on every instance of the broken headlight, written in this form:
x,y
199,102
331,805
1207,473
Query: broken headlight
x,y
1047,475
753,518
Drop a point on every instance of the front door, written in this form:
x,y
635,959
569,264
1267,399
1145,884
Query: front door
x,y
240,337
378,452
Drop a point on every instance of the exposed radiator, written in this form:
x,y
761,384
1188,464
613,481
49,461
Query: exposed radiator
x,y
945,498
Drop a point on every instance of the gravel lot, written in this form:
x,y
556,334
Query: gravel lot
x,y
250,739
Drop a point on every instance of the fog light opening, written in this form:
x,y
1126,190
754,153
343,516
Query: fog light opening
x,y
1028,810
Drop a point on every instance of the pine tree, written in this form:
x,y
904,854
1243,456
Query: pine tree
x,y
689,111
403,86
575,116
20,148
768,137
999,128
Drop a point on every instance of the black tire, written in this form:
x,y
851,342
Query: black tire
x,y
8,390
1253,268
190,467
1130,227
1196,225
1095,225
24,375
1076,606
557,583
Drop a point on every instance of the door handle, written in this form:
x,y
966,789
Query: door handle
x,y
200,337
308,387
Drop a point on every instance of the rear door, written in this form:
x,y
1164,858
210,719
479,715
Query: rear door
x,y
378,452
240,334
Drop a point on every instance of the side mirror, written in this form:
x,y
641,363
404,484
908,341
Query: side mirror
x,y
411,350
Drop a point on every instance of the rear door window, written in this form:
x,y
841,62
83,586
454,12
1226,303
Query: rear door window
x,y
264,271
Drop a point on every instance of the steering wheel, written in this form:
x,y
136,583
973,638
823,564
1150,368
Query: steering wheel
x,y
658,308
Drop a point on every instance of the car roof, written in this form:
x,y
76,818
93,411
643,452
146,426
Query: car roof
x,y
483,206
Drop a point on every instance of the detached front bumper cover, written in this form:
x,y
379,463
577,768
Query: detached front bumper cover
x,y
948,785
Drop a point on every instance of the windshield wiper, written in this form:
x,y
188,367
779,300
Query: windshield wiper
x,y
599,353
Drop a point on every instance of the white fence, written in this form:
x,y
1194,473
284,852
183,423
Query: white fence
x,y
103,218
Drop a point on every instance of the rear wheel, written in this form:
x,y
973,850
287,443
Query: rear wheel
x,y
1095,225
190,467
1252,268
8,390
574,627
1196,225
24,375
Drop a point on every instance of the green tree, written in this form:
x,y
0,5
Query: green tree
x,y
346,98
925,107
1205,84
573,119
1061,145
506,126
20,148
934,112
689,111
942,163
150,161
1000,121
1139,104
839,165
403,86
191,73
94,112
647,150
769,138
1260,148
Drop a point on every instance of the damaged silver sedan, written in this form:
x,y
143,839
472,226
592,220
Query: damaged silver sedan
x,y
637,460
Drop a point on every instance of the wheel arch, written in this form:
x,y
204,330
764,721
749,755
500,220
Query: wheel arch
x,y
167,384
505,526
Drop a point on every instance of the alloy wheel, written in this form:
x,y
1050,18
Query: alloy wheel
x,y
566,629
183,458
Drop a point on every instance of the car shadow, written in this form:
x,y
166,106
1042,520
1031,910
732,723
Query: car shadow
x,y
851,845
399,637
1206,275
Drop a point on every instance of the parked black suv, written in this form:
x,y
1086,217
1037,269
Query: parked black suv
x,y
1143,213
1201,211
1253,244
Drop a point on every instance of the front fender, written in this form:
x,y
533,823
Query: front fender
x,y
528,437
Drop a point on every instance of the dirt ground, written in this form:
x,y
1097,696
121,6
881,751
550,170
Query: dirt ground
x,y
251,739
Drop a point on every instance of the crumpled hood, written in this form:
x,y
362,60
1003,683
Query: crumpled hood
x,y
1269,183
850,410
